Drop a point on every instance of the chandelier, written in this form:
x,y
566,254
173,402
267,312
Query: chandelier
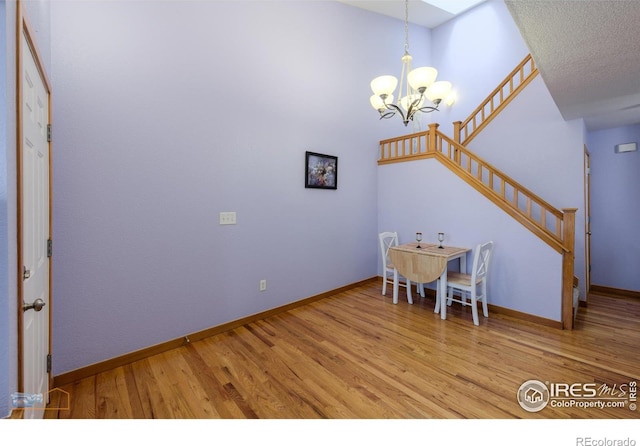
x,y
418,85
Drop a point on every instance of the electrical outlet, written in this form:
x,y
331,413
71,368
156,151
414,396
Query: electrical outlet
x,y
227,218
263,285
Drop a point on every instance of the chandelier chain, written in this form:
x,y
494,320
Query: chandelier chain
x,y
406,26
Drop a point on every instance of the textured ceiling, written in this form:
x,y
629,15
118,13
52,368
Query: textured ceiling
x,y
588,53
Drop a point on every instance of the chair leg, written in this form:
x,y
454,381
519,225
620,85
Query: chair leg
x,y
485,310
474,306
395,286
420,289
409,297
438,298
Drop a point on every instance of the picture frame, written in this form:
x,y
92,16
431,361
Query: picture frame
x,y
321,171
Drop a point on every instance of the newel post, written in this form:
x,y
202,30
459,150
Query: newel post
x,y
568,257
457,129
433,140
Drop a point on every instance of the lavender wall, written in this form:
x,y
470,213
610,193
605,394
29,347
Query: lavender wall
x,y
615,209
168,113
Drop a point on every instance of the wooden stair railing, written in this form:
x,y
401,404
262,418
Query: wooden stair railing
x,y
514,83
554,227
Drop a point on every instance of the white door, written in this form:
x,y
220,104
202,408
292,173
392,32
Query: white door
x,y
35,229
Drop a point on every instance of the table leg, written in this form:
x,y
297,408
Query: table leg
x,y
443,294
463,270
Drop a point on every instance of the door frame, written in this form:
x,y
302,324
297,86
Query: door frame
x,y
587,222
24,28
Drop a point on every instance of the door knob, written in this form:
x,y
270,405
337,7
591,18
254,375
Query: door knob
x,y
37,305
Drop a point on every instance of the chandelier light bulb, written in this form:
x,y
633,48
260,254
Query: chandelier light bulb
x,y
438,91
422,77
378,103
451,98
384,85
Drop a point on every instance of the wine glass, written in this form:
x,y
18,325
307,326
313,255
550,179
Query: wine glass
x,y
418,239
441,239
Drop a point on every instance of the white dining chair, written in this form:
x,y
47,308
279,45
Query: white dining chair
x,y
468,284
389,273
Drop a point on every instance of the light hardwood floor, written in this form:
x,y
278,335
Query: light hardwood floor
x,y
356,355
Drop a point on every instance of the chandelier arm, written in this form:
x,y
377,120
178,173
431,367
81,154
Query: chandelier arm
x,y
413,107
386,115
427,109
396,109
410,113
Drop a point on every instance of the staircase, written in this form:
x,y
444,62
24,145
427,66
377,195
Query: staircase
x,y
554,227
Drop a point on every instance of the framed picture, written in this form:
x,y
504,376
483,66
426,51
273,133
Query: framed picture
x,y
321,171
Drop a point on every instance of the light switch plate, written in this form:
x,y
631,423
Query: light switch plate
x,y
227,218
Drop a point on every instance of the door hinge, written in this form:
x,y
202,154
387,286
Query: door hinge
x,y
49,361
48,132
49,248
